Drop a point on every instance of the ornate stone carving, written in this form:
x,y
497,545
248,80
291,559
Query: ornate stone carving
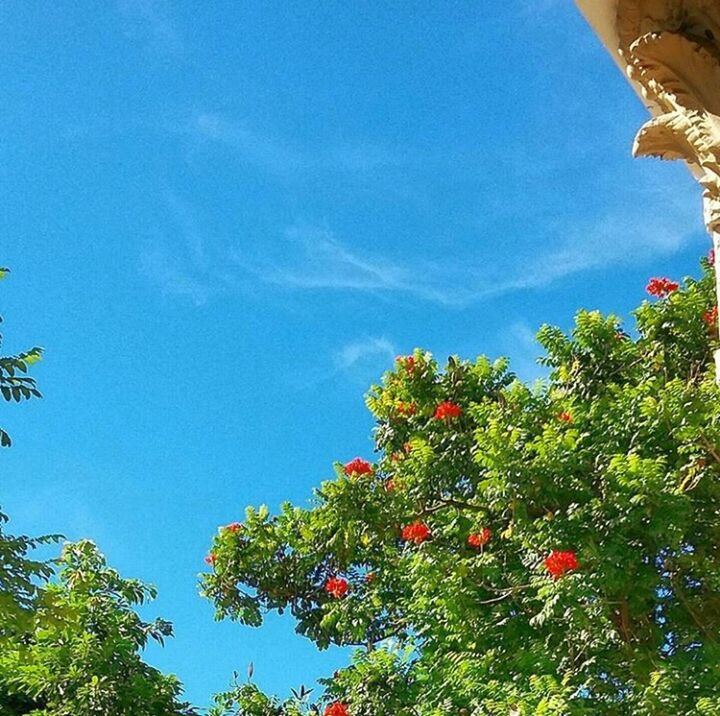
x,y
693,18
670,50
677,71
691,136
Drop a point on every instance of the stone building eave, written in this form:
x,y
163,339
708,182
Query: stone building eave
x,y
602,17
669,51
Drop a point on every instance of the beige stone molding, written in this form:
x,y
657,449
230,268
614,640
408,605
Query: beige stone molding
x,y
670,53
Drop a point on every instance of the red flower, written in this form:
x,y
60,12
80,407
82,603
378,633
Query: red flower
x,y
417,532
336,587
447,410
210,559
559,563
711,316
711,257
337,709
358,466
661,287
407,362
406,408
234,527
565,417
390,485
479,539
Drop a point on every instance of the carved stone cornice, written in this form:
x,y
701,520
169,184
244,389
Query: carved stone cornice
x,y
691,17
678,72
670,51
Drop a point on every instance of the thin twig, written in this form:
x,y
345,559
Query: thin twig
x,y
710,448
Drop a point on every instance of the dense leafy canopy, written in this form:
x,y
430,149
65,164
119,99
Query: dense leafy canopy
x,y
70,638
19,571
514,549
82,656
20,577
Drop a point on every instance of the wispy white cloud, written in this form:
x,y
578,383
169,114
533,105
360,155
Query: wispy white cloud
x,y
649,223
150,22
260,149
280,157
178,259
174,275
612,241
367,350
314,259
622,236
519,343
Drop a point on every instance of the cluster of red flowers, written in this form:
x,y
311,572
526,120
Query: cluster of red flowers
x,y
447,410
210,559
358,466
711,317
234,527
559,563
390,485
565,417
417,532
661,287
336,587
711,257
406,408
407,362
479,539
337,709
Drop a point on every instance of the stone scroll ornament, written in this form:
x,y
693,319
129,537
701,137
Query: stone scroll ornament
x,y
671,49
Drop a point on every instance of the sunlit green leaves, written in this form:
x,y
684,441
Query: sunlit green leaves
x,y
79,654
15,385
615,457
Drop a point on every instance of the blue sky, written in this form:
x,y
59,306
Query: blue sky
x,y
224,220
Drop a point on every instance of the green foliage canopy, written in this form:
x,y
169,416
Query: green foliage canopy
x,y
20,573
82,658
15,384
70,635
550,549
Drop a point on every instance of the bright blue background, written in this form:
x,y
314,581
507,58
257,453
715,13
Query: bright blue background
x,y
224,219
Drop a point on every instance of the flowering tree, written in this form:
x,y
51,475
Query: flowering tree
x,y
549,549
